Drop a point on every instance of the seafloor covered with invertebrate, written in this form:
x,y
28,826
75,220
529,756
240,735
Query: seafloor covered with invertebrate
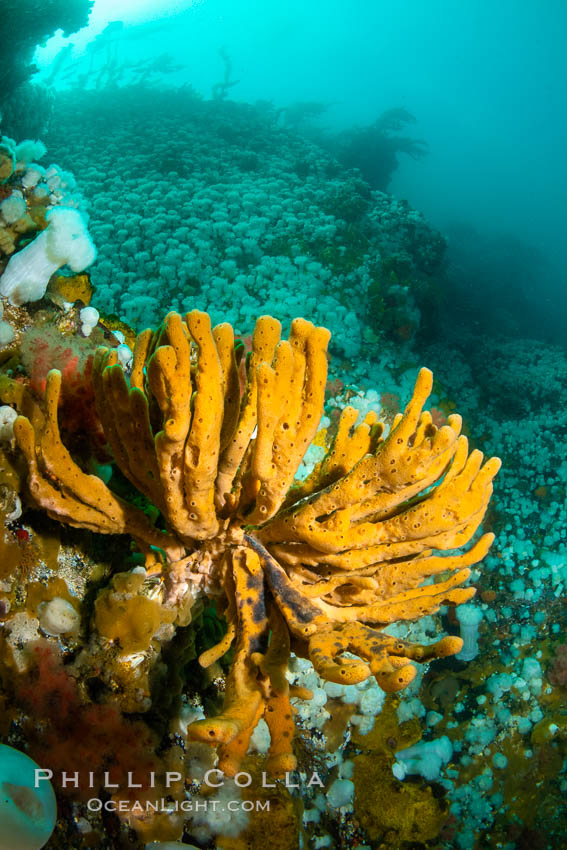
x,y
283,544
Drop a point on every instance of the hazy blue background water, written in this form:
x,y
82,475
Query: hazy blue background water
x,y
486,81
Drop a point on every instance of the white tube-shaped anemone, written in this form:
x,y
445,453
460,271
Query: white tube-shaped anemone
x,y
426,758
65,241
469,617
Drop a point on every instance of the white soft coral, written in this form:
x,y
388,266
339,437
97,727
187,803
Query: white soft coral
x,y
65,241
221,814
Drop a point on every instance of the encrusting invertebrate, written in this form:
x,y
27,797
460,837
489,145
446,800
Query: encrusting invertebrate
x,y
322,564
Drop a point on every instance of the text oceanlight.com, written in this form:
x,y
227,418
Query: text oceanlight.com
x,y
95,804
